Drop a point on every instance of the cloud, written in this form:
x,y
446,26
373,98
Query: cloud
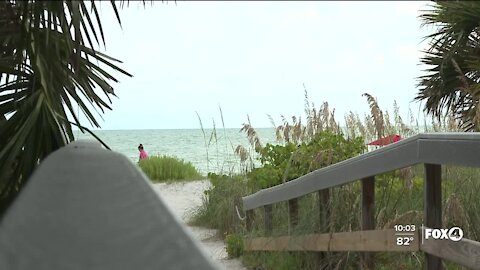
x,y
347,61
411,8
194,56
407,51
410,51
379,60
301,19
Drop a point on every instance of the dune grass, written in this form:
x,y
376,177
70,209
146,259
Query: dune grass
x,y
168,168
399,194
218,208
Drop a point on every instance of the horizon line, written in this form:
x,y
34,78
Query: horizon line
x,y
100,129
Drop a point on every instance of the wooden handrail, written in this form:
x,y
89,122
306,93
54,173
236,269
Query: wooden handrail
x,y
368,240
430,149
464,252
434,148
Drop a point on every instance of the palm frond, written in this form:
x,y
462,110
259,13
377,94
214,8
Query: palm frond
x,y
450,85
48,67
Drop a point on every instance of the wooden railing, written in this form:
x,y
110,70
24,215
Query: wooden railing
x,y
86,207
432,150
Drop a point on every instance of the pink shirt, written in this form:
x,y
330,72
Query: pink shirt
x,y
143,154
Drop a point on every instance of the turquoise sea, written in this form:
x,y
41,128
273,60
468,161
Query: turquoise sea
x,y
187,144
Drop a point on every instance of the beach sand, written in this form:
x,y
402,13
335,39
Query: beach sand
x,y
184,198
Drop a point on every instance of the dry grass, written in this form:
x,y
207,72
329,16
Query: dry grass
x,y
377,116
397,203
252,135
375,125
454,212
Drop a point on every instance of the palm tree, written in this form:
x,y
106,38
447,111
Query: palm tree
x,y
48,67
451,85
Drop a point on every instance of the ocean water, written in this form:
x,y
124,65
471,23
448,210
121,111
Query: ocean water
x,y
187,144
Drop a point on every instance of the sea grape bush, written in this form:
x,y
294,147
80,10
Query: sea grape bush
x,y
282,163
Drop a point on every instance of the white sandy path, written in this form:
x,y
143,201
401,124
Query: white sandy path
x,y
184,198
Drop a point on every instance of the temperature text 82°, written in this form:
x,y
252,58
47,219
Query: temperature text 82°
x,y
404,241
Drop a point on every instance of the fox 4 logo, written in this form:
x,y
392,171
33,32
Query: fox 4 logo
x,y
455,234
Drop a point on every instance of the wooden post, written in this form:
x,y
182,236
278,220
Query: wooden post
x,y
249,221
324,209
268,212
432,208
324,221
368,214
292,214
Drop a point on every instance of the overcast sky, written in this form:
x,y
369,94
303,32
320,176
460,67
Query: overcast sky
x,y
254,57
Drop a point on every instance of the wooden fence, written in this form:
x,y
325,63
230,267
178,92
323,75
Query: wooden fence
x,y
432,150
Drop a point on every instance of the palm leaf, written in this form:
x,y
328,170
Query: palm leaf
x,y
450,85
47,65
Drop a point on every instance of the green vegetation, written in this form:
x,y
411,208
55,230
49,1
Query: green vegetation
x,y
234,244
277,260
218,210
318,143
55,37
282,163
165,168
451,83
48,66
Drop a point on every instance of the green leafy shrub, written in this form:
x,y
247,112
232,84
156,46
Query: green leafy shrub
x,y
164,168
234,244
282,163
276,260
320,143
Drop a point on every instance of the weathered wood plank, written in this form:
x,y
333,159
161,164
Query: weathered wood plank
x,y
268,217
368,203
324,209
368,214
465,252
433,208
375,240
292,214
249,221
439,148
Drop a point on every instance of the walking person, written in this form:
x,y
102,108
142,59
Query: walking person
x,y
143,153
